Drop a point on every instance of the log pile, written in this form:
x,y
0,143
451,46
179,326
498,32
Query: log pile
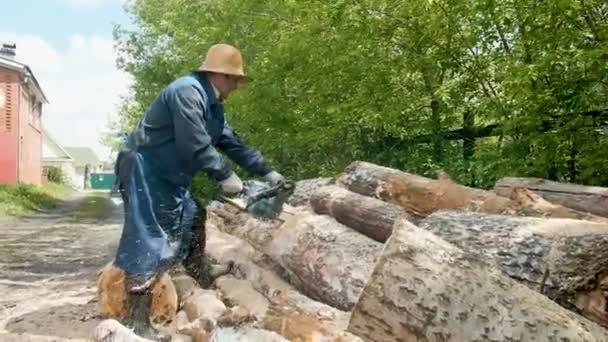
x,y
377,254
591,199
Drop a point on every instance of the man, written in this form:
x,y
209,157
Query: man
x,y
87,177
179,135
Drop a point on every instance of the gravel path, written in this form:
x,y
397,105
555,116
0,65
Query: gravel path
x,y
47,273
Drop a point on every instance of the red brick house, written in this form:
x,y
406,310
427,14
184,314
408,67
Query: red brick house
x,y
21,101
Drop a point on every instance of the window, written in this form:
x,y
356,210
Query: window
x,y
6,109
2,97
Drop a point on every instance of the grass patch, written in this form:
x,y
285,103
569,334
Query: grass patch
x,y
89,210
23,199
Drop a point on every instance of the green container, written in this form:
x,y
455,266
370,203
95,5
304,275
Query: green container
x,y
102,181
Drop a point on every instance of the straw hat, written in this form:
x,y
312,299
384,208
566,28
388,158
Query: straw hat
x,y
224,59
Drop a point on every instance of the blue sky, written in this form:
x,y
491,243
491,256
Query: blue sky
x,y
68,44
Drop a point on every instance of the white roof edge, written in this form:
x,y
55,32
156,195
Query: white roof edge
x,y
57,159
50,136
14,65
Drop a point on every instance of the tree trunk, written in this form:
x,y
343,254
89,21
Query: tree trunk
x,y
468,144
573,254
304,189
421,196
424,288
367,215
562,258
289,318
590,199
290,313
328,261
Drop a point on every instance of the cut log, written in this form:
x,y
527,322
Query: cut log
x,y
304,189
289,319
563,258
330,261
245,334
369,216
328,321
424,288
591,199
241,292
112,330
421,196
250,264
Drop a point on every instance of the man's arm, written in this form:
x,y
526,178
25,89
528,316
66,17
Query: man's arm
x,y
194,147
248,158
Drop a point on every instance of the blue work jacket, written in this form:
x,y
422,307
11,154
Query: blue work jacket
x,y
183,132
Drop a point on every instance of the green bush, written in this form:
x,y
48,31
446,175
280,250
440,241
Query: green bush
x,y
55,175
337,81
21,198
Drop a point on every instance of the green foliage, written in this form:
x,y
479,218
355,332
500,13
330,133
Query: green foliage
x,y
90,210
55,175
336,81
20,199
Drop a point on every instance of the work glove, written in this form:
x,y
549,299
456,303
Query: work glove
x,y
232,184
274,177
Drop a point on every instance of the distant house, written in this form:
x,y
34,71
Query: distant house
x,y
84,157
21,102
53,155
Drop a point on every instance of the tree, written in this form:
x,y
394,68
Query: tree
x,y
338,80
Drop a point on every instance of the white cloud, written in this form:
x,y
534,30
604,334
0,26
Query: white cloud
x,y
81,82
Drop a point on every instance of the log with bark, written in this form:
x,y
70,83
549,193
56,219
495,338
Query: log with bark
x,y
421,196
289,312
304,189
563,258
591,199
424,288
369,216
329,261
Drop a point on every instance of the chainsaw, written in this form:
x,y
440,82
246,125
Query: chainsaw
x,y
261,199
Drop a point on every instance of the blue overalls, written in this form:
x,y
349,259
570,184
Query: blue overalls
x,y
179,135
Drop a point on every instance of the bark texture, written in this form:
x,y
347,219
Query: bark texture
x,y
289,318
592,199
563,258
304,189
287,311
424,288
421,196
369,216
329,261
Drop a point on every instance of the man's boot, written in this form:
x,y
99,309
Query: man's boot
x,y
139,315
139,309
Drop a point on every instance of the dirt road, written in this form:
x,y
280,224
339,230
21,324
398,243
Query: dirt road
x,y
47,273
